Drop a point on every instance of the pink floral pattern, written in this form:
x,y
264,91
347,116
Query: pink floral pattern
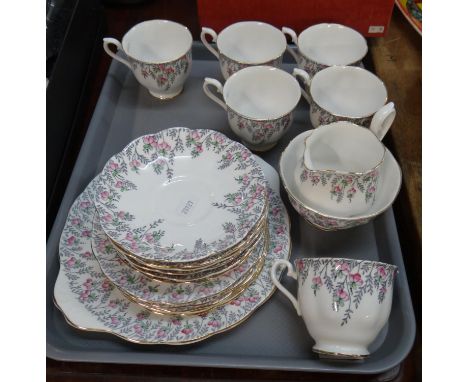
x,y
164,75
324,222
246,204
313,67
259,132
110,311
320,116
344,186
347,281
144,288
229,67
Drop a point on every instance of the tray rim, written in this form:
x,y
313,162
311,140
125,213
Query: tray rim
x,y
198,360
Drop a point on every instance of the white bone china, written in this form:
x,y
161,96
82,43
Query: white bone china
x,y
259,101
348,93
244,44
159,53
324,45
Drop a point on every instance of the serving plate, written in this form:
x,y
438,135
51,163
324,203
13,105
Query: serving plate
x,y
90,302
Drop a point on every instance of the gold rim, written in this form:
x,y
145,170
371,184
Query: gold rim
x,y
241,321
328,354
348,172
189,307
348,219
219,260
206,307
200,263
201,278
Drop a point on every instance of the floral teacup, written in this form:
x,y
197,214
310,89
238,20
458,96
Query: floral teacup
x,y
341,168
348,93
259,101
344,303
159,53
324,45
245,44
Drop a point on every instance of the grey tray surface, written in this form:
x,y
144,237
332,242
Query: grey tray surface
x,y
274,337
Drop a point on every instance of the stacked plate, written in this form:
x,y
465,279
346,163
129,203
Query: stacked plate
x,y
181,225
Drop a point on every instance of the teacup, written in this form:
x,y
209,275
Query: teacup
x,y
348,93
259,101
344,303
245,44
159,53
324,45
341,168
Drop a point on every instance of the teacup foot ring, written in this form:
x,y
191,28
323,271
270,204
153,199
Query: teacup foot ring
x,y
340,356
166,97
260,148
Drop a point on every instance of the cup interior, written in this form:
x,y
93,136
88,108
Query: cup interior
x,y
251,42
332,44
348,91
343,147
262,92
157,41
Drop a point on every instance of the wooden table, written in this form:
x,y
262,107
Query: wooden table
x,y
397,61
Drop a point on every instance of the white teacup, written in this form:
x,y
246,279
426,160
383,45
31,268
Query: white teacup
x,y
348,93
259,101
344,303
244,44
341,168
159,53
324,45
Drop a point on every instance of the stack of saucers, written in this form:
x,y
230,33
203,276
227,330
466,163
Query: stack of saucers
x,y
182,222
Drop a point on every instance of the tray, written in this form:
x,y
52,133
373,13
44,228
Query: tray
x,y
274,337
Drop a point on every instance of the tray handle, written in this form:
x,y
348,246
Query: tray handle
x,y
291,273
108,41
289,32
213,35
210,94
304,76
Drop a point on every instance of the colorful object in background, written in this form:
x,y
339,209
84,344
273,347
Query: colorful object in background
x,y
412,10
370,18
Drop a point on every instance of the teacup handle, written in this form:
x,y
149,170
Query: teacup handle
x,y
214,36
382,120
304,76
289,32
291,273
109,40
209,93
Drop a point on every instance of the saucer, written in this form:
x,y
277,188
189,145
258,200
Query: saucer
x,y
90,302
144,288
180,195
390,184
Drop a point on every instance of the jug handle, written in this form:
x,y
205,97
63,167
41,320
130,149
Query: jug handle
x,y
289,32
382,120
213,35
108,41
291,273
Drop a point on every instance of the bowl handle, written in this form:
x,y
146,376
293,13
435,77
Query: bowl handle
x,y
282,289
382,120
304,76
213,35
210,94
289,32
108,41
